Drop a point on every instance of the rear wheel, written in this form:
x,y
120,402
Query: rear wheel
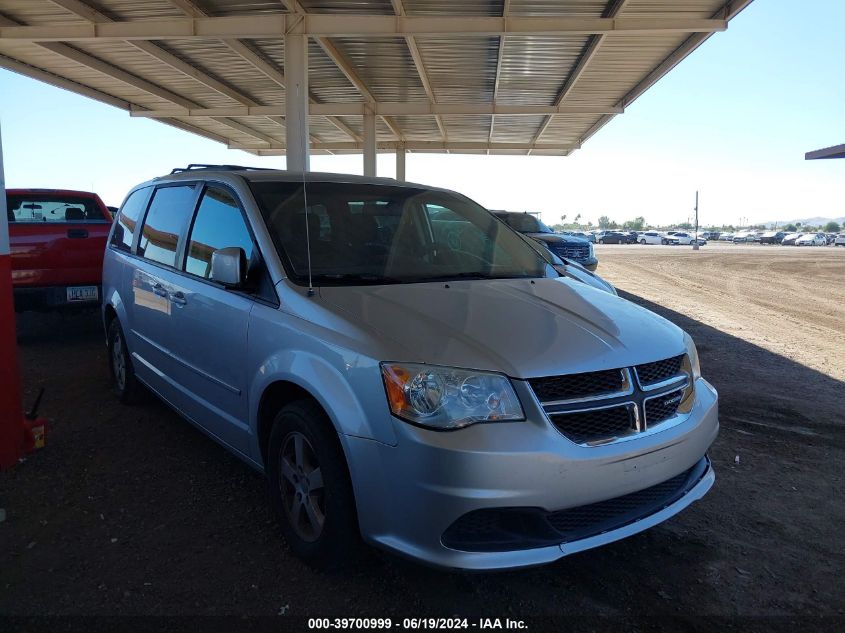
x,y
310,488
120,363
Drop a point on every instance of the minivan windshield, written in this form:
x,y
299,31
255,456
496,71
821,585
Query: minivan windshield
x,y
379,234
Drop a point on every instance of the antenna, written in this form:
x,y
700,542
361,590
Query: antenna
x,y
305,201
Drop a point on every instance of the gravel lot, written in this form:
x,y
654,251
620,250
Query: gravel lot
x,y
131,511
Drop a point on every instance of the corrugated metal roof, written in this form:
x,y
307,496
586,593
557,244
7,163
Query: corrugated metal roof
x,y
480,76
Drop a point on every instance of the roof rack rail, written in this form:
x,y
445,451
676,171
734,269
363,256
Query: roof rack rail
x,y
199,166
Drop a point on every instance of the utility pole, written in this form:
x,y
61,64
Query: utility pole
x,y
695,243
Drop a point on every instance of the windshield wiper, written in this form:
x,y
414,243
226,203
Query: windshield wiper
x,y
368,278
467,275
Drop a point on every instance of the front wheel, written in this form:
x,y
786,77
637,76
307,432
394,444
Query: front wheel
x,y
310,488
642,242
664,242
601,241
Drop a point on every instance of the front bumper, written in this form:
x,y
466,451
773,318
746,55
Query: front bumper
x,y
590,264
409,495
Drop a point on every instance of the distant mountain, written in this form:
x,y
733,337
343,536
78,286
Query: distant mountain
x,y
817,221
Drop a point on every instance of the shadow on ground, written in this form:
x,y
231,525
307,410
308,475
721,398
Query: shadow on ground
x,y
132,511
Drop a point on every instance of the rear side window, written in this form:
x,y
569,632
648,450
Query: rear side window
x,y
52,208
219,224
127,220
170,211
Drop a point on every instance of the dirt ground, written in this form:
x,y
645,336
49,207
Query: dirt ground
x,y
129,511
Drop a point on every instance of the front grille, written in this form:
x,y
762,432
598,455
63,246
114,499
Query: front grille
x,y
576,386
595,424
578,252
599,406
662,407
651,373
508,529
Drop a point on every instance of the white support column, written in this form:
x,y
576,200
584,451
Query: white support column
x,y
400,164
369,143
296,102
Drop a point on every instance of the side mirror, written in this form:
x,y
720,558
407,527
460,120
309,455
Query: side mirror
x,y
228,266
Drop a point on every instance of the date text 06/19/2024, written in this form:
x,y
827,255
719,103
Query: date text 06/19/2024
x,y
415,624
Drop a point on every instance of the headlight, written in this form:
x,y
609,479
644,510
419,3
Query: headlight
x,y
692,355
445,398
592,252
693,370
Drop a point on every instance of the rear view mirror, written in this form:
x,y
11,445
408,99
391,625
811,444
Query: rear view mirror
x,y
228,266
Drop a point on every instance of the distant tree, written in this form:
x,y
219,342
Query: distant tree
x,y
790,228
685,225
636,224
604,222
832,227
798,224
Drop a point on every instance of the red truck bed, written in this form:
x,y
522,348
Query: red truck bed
x,y
58,238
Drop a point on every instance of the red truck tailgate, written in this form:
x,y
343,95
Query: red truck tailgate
x,y
57,237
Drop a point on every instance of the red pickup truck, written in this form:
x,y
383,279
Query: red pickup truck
x,y
57,238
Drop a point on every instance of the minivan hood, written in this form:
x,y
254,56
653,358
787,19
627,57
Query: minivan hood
x,y
523,328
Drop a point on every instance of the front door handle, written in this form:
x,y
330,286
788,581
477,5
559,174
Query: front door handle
x,y
77,234
178,298
159,290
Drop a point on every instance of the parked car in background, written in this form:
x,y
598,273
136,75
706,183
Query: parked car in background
x,y
726,237
564,246
812,239
57,240
614,237
651,237
709,235
744,237
789,240
688,239
772,237
840,240
569,268
402,368
831,237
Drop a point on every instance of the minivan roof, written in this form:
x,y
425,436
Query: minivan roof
x,y
281,175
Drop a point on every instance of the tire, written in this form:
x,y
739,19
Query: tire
x,y
124,383
318,518
664,242
601,241
642,242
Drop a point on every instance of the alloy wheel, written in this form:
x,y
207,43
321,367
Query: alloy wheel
x,y
301,485
118,360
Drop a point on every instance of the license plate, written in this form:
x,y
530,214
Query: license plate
x,y
82,293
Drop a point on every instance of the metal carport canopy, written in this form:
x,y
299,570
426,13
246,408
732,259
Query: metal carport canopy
x,y
292,77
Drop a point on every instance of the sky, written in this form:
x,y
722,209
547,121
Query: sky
x,y
733,121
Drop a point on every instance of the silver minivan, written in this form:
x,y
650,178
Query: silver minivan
x,y
403,367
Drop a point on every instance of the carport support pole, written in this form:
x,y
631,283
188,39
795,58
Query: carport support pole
x,y
400,164
296,102
369,143
12,431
